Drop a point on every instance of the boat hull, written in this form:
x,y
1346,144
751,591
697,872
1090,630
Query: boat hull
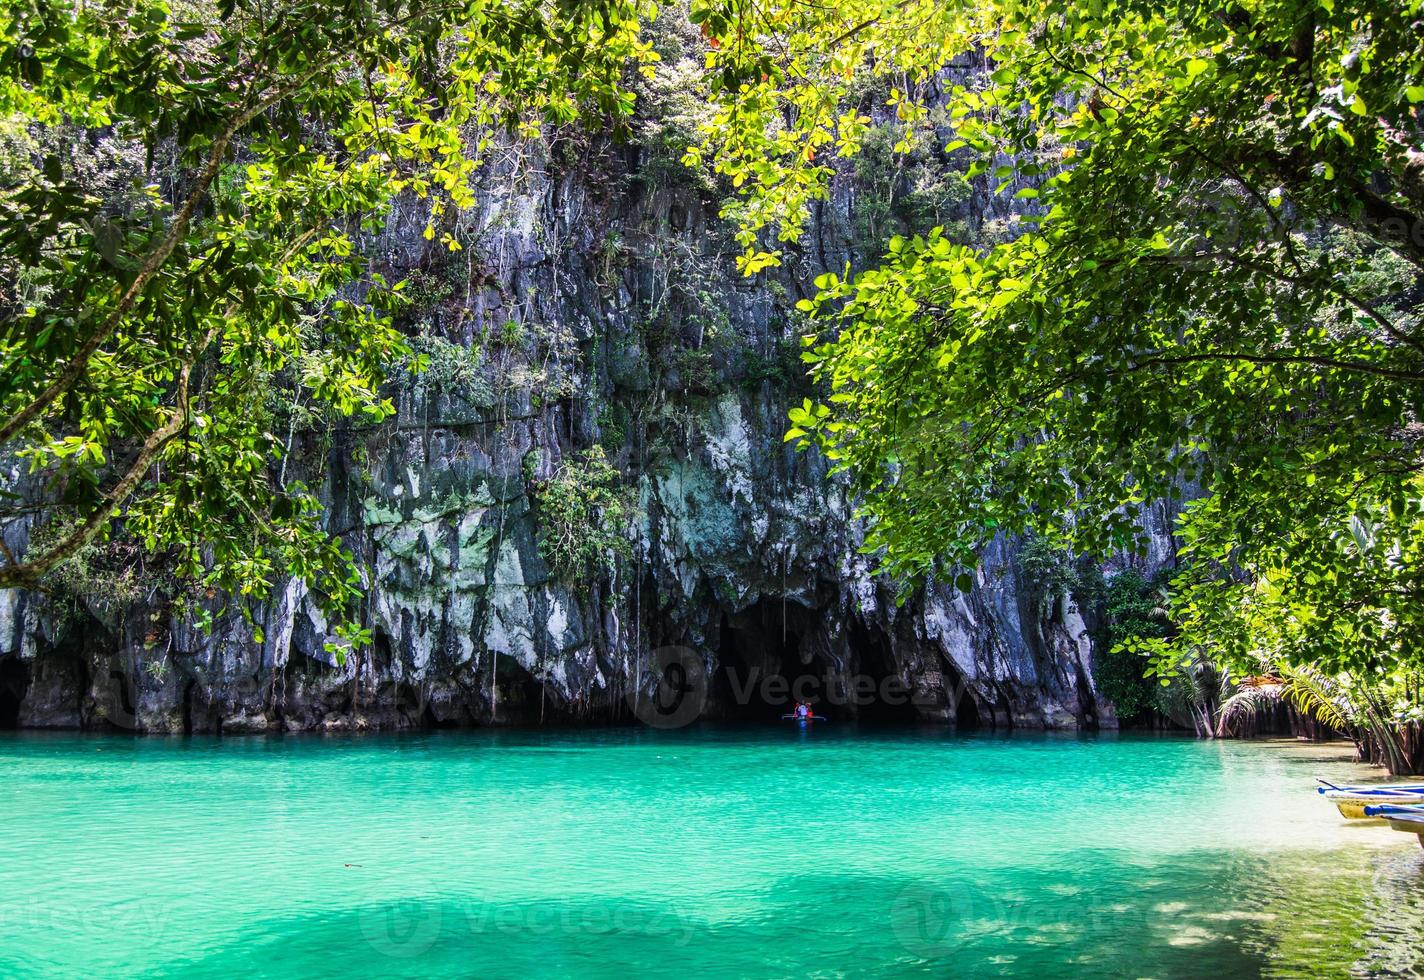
x,y
1352,805
1408,827
1405,819
1354,809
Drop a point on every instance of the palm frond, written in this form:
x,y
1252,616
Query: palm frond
x,y
1246,703
1317,695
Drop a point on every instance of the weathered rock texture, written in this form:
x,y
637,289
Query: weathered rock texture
x,y
594,303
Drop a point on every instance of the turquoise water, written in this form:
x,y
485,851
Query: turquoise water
x,y
718,853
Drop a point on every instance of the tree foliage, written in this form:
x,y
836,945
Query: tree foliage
x,y
1132,610
584,510
144,334
1213,289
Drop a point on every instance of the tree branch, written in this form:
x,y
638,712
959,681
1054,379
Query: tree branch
x,y
151,265
27,574
1312,359
1364,307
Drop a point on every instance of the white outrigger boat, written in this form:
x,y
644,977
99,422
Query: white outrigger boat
x,y
1352,801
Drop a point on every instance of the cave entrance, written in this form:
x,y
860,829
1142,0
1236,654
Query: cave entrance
x,y
519,697
879,693
966,710
764,664
1087,704
14,685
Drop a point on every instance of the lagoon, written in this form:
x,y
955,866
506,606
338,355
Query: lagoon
x,y
710,852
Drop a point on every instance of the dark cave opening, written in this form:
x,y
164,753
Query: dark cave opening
x,y
188,689
520,698
966,709
431,721
14,685
764,667
122,712
1087,706
879,692
381,652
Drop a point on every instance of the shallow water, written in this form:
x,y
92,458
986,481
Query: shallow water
x,y
704,852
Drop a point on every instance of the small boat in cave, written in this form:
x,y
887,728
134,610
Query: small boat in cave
x,y
1352,801
1407,819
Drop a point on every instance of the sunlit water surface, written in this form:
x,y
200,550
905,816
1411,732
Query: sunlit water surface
x,y
620,854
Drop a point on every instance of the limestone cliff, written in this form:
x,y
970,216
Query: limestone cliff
x,y
594,303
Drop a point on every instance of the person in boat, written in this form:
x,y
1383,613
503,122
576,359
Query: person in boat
x,y
803,711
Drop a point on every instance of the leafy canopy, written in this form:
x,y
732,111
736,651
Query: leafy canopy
x,y
1212,289
150,338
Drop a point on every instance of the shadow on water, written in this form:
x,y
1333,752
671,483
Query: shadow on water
x,y
767,729
1220,916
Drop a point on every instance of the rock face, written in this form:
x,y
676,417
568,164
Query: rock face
x,y
594,303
